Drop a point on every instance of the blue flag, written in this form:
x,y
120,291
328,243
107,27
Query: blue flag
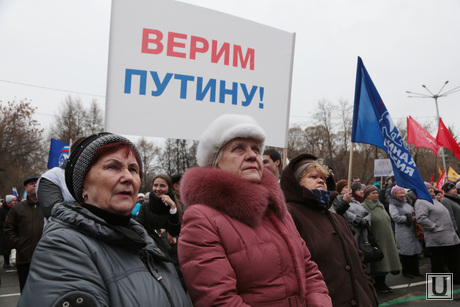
x,y
59,152
373,125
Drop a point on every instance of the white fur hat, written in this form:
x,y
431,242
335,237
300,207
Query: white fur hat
x,y
224,129
9,198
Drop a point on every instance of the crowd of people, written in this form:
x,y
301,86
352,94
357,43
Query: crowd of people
x,y
236,230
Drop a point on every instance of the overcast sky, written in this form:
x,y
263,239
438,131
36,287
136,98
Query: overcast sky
x,y
52,48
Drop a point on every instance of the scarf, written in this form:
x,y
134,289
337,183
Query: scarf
x,y
323,196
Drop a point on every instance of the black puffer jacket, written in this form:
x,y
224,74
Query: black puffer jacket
x,y
83,258
155,215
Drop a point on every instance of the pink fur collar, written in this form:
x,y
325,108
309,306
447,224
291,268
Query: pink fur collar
x,y
232,195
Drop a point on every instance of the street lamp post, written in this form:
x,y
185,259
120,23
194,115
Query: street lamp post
x,y
435,97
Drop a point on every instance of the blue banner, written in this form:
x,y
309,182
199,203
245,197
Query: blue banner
x,y
59,152
373,125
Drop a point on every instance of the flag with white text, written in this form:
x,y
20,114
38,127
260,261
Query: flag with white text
x,y
373,125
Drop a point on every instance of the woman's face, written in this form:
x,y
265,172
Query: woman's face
x,y
373,196
242,157
113,182
431,191
360,192
452,191
344,190
313,180
400,193
160,187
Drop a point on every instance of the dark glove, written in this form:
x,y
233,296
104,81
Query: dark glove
x,y
342,207
363,223
357,220
408,219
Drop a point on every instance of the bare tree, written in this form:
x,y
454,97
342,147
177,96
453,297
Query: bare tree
x,y
149,153
22,151
94,121
178,155
70,122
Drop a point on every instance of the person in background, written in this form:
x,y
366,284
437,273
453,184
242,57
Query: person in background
x,y
51,188
438,195
358,218
378,184
5,249
137,206
440,235
383,234
238,245
355,179
162,214
403,214
341,203
386,190
307,185
23,229
92,252
176,178
272,161
452,202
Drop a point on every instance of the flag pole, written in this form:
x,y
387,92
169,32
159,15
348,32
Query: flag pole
x,y
350,167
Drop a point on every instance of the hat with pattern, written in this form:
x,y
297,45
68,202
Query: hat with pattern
x,y
81,157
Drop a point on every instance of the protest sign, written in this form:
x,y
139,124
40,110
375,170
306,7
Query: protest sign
x,y
383,168
175,67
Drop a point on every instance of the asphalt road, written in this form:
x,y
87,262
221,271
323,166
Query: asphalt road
x,y
406,291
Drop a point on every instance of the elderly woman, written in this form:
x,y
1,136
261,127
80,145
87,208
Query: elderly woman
x,y
383,234
92,252
403,214
440,235
305,183
238,244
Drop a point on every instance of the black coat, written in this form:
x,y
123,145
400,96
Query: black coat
x,y
155,215
5,249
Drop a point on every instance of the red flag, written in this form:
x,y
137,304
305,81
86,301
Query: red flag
x,y
418,136
441,180
446,140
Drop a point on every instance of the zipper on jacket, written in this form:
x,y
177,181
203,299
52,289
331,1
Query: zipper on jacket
x,y
156,275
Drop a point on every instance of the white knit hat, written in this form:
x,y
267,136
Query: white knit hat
x,y
9,198
224,129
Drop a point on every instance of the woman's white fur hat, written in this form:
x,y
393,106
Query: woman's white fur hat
x,y
224,129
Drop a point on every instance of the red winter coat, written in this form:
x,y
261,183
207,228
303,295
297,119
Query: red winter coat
x,y
239,246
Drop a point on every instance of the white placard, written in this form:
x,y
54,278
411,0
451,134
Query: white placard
x,y
382,167
175,67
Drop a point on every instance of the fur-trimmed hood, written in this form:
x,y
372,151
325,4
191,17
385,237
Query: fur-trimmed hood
x,y
295,193
233,195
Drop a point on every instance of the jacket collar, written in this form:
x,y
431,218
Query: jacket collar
x,y
233,195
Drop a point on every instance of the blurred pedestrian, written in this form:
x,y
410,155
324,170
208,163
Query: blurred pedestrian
x,y
5,249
